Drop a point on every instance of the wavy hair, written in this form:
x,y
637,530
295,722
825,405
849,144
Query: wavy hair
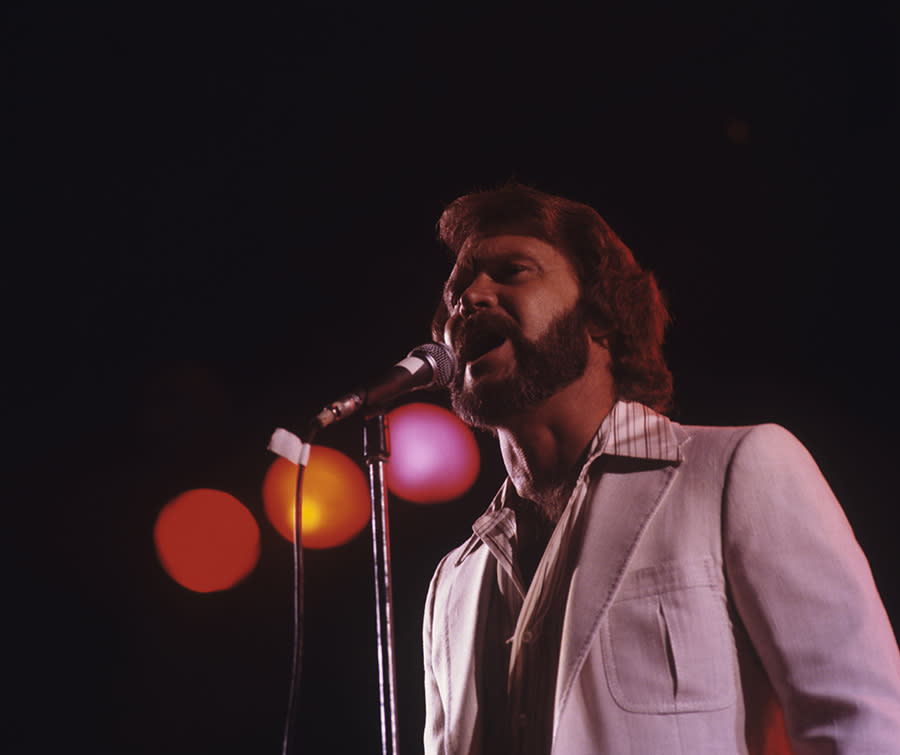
x,y
617,295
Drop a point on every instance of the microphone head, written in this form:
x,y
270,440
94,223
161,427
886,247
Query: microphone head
x,y
442,360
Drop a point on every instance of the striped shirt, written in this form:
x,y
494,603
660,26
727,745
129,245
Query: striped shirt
x,y
524,627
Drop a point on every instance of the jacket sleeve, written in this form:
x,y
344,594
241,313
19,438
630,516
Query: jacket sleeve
x,y
805,593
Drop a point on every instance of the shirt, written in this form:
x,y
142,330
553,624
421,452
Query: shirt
x,y
524,627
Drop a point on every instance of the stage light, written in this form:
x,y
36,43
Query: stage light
x,y
335,498
206,540
434,456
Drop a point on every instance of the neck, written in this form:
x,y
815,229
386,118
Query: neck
x,y
542,445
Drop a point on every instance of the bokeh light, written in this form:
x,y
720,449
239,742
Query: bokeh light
x,y
335,498
434,456
206,540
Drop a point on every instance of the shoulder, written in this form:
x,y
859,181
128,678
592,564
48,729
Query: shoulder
x,y
769,471
451,566
722,432
764,444
765,455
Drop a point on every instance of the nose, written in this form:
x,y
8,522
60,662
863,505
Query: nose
x,y
479,293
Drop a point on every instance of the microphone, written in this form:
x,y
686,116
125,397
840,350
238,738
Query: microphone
x,y
431,365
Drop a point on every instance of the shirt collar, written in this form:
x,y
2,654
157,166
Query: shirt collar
x,y
498,520
630,429
634,430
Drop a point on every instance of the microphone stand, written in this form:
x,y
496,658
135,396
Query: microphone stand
x,y
377,451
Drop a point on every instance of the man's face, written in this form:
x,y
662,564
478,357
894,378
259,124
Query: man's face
x,y
515,324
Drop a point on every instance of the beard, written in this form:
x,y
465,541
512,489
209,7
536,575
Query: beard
x,y
554,360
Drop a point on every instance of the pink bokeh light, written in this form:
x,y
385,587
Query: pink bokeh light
x,y
434,456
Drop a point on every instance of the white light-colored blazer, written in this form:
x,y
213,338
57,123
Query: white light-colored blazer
x,y
711,594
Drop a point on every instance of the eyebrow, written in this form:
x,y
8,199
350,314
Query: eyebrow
x,y
470,263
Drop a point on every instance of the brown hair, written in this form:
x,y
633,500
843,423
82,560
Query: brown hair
x,y
617,294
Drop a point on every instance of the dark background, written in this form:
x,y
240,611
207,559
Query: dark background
x,y
219,220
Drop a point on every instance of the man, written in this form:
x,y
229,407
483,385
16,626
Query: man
x,y
636,586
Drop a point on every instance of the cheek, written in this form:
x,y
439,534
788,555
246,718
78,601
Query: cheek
x,y
541,313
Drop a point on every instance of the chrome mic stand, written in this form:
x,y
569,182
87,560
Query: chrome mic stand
x,y
377,450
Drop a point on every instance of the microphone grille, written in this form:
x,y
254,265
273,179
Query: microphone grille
x,y
441,358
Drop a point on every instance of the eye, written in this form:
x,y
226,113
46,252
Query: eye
x,y
509,271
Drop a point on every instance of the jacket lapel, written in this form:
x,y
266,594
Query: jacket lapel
x,y
619,509
466,612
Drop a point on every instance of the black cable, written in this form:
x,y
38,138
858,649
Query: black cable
x,y
287,744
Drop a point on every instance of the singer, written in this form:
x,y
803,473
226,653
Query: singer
x,y
636,585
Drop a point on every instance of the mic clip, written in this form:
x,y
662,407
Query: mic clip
x,y
338,410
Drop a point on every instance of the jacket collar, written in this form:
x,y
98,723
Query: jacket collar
x,y
630,430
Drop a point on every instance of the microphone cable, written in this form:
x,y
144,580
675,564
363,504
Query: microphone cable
x,y
290,721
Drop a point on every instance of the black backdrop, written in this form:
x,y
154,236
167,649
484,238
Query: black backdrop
x,y
221,219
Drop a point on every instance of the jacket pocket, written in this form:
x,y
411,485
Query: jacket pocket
x,y
667,640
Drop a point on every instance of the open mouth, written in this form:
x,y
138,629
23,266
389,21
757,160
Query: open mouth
x,y
479,343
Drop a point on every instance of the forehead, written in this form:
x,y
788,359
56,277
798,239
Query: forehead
x,y
480,250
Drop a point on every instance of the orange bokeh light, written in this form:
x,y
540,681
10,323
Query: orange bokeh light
x,y
206,540
335,498
434,456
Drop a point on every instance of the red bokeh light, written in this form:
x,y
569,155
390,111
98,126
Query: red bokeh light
x,y
206,540
434,456
335,498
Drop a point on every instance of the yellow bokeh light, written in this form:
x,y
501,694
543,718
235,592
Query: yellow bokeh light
x,y
335,498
